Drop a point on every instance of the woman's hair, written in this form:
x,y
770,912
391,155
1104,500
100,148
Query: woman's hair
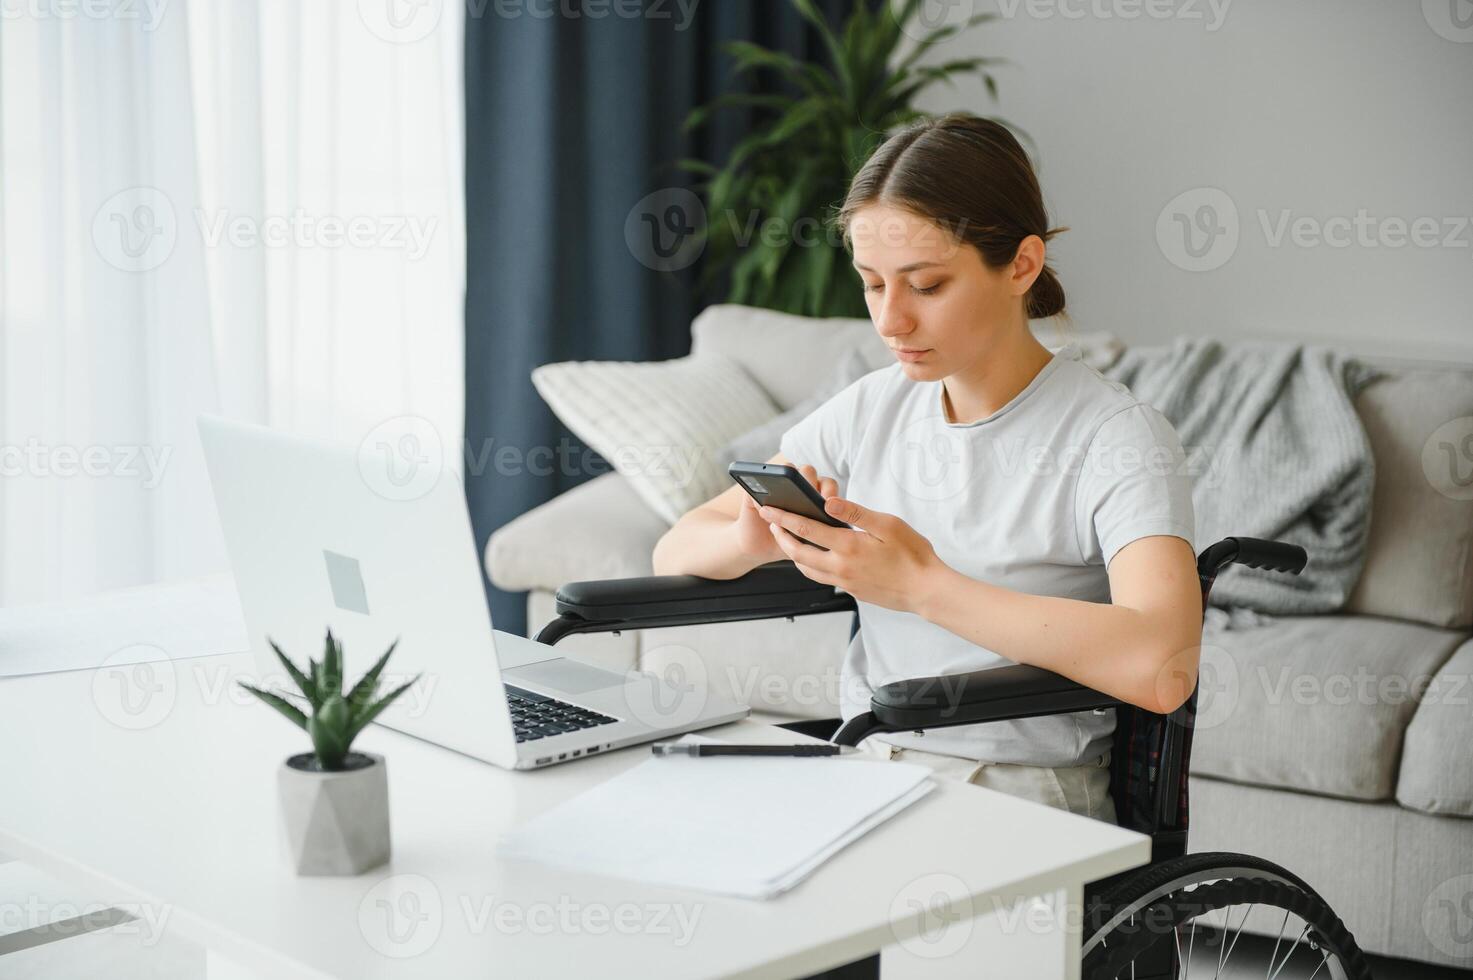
x,y
969,176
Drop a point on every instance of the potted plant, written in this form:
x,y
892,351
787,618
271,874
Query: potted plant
x,y
334,801
797,163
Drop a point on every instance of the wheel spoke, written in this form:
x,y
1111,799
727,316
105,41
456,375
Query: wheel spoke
x,y
1132,962
1222,943
1289,954
1274,955
1322,963
1227,918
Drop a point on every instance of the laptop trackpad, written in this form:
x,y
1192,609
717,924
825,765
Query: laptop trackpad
x,y
565,675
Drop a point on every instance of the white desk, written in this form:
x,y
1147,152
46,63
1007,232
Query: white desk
x,y
169,809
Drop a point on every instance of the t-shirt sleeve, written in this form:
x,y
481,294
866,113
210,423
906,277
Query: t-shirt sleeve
x,y
1133,483
824,438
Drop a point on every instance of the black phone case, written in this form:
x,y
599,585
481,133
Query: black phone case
x,y
785,488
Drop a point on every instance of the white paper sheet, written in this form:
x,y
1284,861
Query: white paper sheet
x,y
746,826
156,622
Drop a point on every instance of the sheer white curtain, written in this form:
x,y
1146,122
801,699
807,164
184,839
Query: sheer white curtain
x,y
244,207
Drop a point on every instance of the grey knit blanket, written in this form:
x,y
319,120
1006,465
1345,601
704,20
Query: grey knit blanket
x,y
1277,451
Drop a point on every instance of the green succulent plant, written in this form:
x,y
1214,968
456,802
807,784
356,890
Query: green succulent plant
x,y
336,718
796,166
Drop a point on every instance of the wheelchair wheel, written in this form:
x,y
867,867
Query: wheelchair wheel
x,y
1177,917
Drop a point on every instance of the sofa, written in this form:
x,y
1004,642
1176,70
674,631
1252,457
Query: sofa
x,y
1340,746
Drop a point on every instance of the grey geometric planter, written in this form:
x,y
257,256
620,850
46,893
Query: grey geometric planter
x,y
336,823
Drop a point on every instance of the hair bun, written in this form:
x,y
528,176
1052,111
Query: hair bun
x,y
1046,298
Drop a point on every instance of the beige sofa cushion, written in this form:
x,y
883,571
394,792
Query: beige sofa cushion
x,y
599,529
789,355
659,423
1437,763
1419,557
1313,703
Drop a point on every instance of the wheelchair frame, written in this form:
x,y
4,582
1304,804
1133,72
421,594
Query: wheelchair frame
x,y
1152,752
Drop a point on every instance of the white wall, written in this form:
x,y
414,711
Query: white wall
x,y
1314,108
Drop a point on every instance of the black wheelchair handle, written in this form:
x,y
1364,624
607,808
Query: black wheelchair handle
x,y
1278,556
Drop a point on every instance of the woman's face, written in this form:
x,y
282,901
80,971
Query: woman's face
x,y
930,294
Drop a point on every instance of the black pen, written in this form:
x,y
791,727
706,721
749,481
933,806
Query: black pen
x,y
714,748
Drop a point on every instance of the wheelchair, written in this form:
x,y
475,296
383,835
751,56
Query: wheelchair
x,y
1143,923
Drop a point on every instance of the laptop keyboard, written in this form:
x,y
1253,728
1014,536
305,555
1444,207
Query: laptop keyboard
x,y
535,716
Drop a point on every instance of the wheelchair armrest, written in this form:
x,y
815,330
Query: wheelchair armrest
x,y
994,694
767,592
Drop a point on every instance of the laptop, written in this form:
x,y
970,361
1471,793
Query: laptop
x,y
322,536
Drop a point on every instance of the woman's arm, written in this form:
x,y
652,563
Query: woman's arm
x,y
724,538
1142,647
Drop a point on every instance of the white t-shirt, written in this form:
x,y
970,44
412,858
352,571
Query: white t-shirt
x,y
1037,498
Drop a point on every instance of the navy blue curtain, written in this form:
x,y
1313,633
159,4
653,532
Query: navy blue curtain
x,y
572,120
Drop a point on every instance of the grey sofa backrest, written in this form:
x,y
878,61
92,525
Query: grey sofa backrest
x,y
1419,557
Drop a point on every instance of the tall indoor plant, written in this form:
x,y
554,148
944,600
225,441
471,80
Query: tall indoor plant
x,y
768,205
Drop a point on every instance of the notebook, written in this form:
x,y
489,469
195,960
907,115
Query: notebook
x,y
752,827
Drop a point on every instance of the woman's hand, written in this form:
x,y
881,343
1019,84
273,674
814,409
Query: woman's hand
x,y
886,561
753,537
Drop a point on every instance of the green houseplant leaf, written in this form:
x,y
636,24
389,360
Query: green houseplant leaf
x,y
304,683
290,711
796,165
331,681
335,720
329,727
371,711
363,691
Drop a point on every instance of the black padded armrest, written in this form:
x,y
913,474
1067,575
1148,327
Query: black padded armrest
x,y
995,694
767,592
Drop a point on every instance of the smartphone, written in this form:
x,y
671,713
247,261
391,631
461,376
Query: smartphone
x,y
785,488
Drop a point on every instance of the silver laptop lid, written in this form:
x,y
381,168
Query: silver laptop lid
x,y
315,541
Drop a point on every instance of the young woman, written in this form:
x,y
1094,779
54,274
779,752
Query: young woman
x,y
1008,505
